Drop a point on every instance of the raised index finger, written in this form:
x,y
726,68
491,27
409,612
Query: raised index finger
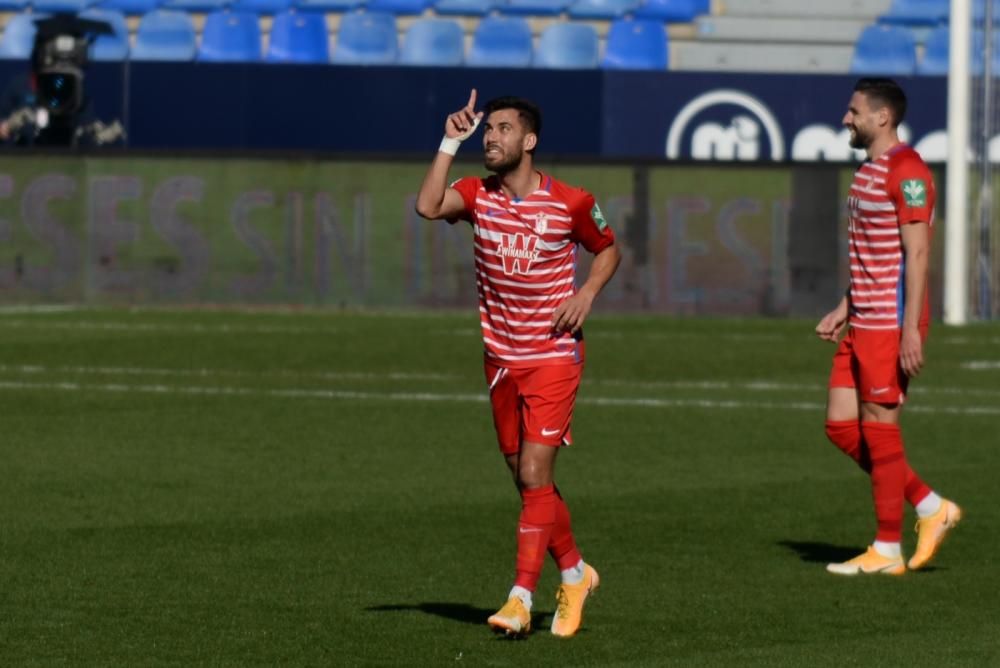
x,y
472,101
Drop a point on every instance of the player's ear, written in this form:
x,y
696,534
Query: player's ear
x,y
530,141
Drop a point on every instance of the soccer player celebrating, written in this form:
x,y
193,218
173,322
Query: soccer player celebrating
x,y
526,226
886,309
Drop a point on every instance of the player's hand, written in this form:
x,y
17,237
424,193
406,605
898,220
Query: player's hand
x,y
911,352
463,122
832,324
569,316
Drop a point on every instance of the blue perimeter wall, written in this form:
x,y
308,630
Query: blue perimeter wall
x,y
401,110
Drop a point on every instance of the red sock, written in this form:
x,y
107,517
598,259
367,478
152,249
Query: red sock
x,y
538,517
562,547
885,444
846,435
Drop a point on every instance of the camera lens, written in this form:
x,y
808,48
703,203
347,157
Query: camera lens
x,y
58,92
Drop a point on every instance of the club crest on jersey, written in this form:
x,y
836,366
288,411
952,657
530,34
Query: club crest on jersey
x,y
541,224
517,252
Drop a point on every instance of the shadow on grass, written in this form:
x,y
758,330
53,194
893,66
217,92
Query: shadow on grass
x,y
824,553
459,612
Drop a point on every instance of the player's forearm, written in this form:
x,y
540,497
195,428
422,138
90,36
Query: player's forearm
x,y
430,198
917,263
601,270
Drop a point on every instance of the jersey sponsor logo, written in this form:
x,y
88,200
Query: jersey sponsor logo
x,y
598,217
739,139
517,252
914,192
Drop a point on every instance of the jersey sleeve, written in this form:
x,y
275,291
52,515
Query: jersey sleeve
x,y
590,229
467,187
911,188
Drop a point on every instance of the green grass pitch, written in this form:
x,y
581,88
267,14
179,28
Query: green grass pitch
x,y
320,488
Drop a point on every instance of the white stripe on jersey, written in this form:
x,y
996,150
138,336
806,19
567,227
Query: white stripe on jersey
x,y
532,298
873,293
874,256
522,284
518,337
513,309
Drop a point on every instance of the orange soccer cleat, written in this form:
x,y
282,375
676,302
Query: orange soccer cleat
x,y
931,532
570,599
869,562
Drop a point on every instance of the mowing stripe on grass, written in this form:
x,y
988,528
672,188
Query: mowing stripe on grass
x,y
636,402
192,328
743,386
37,369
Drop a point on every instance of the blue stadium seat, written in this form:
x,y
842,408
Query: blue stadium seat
x,y
19,36
601,9
61,6
916,12
464,7
399,7
438,42
533,7
113,47
130,7
14,5
635,45
884,49
165,35
338,6
199,6
298,37
266,7
230,37
367,38
935,61
501,41
671,11
568,45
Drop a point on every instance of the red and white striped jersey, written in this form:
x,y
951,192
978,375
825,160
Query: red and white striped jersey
x,y
895,190
525,251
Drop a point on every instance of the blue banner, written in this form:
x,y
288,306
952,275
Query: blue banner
x,y
649,116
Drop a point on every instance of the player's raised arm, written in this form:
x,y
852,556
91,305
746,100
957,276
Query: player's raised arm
x,y
435,199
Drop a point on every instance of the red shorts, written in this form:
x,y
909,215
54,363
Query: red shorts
x,y
868,360
533,405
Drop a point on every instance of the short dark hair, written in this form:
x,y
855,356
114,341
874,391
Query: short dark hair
x,y
883,92
527,111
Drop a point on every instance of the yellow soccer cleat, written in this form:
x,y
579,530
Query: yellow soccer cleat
x,y
869,562
513,618
931,532
570,599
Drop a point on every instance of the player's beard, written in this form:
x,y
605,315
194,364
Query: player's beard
x,y
504,162
859,138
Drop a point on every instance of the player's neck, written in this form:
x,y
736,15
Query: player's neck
x,y
521,182
882,145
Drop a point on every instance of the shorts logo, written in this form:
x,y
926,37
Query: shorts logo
x,y
914,192
517,252
549,432
879,390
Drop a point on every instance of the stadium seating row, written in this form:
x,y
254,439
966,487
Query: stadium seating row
x,y
917,13
660,10
892,50
363,38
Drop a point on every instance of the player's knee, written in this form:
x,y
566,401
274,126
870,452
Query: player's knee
x,y
883,439
845,435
